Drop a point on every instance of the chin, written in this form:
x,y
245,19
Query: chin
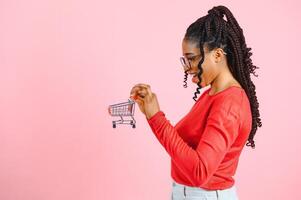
x,y
202,84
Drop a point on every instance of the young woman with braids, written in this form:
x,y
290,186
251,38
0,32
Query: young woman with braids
x,y
205,145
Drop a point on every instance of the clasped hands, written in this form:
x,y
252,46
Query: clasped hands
x,y
146,99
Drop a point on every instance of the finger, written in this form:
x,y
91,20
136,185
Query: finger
x,y
143,84
135,89
138,100
140,90
138,94
133,98
142,93
147,87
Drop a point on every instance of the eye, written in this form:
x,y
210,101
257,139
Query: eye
x,y
191,58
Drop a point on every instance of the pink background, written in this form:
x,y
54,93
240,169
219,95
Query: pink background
x,y
63,62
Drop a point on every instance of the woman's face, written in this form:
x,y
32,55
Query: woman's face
x,y
209,66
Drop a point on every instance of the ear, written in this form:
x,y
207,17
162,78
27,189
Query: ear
x,y
218,55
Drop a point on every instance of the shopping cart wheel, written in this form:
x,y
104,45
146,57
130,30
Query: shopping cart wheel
x,y
114,125
134,126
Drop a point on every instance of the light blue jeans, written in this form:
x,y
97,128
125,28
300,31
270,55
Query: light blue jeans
x,y
184,192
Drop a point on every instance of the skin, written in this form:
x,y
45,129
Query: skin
x,y
147,100
215,68
215,73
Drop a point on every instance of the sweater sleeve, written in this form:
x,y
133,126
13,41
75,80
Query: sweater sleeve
x,y
199,164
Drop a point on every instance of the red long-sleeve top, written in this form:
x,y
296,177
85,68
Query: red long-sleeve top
x,y
205,144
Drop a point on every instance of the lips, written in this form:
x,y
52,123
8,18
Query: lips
x,y
194,79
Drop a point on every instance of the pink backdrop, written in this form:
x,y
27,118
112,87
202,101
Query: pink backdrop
x,y
63,62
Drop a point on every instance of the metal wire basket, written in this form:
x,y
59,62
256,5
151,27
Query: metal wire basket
x,y
125,109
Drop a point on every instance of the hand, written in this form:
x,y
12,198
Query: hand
x,y
146,99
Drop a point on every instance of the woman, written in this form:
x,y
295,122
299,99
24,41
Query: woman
x,y
205,145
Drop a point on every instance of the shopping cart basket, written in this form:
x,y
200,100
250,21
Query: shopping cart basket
x,y
123,110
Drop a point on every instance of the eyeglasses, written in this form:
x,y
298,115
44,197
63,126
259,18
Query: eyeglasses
x,y
186,62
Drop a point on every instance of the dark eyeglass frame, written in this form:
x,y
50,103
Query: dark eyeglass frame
x,y
186,62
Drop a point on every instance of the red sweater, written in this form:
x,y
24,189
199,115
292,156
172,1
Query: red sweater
x,y
205,144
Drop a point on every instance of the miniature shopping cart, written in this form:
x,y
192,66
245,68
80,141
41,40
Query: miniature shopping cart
x,y
123,110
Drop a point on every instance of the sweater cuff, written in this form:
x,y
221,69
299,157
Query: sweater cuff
x,y
156,118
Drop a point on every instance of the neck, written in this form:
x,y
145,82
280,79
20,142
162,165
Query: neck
x,y
223,81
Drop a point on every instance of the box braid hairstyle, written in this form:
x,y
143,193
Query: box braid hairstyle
x,y
214,31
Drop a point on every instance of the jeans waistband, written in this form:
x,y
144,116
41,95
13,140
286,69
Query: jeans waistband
x,y
189,191
174,183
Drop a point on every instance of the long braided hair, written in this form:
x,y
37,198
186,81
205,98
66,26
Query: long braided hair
x,y
214,31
